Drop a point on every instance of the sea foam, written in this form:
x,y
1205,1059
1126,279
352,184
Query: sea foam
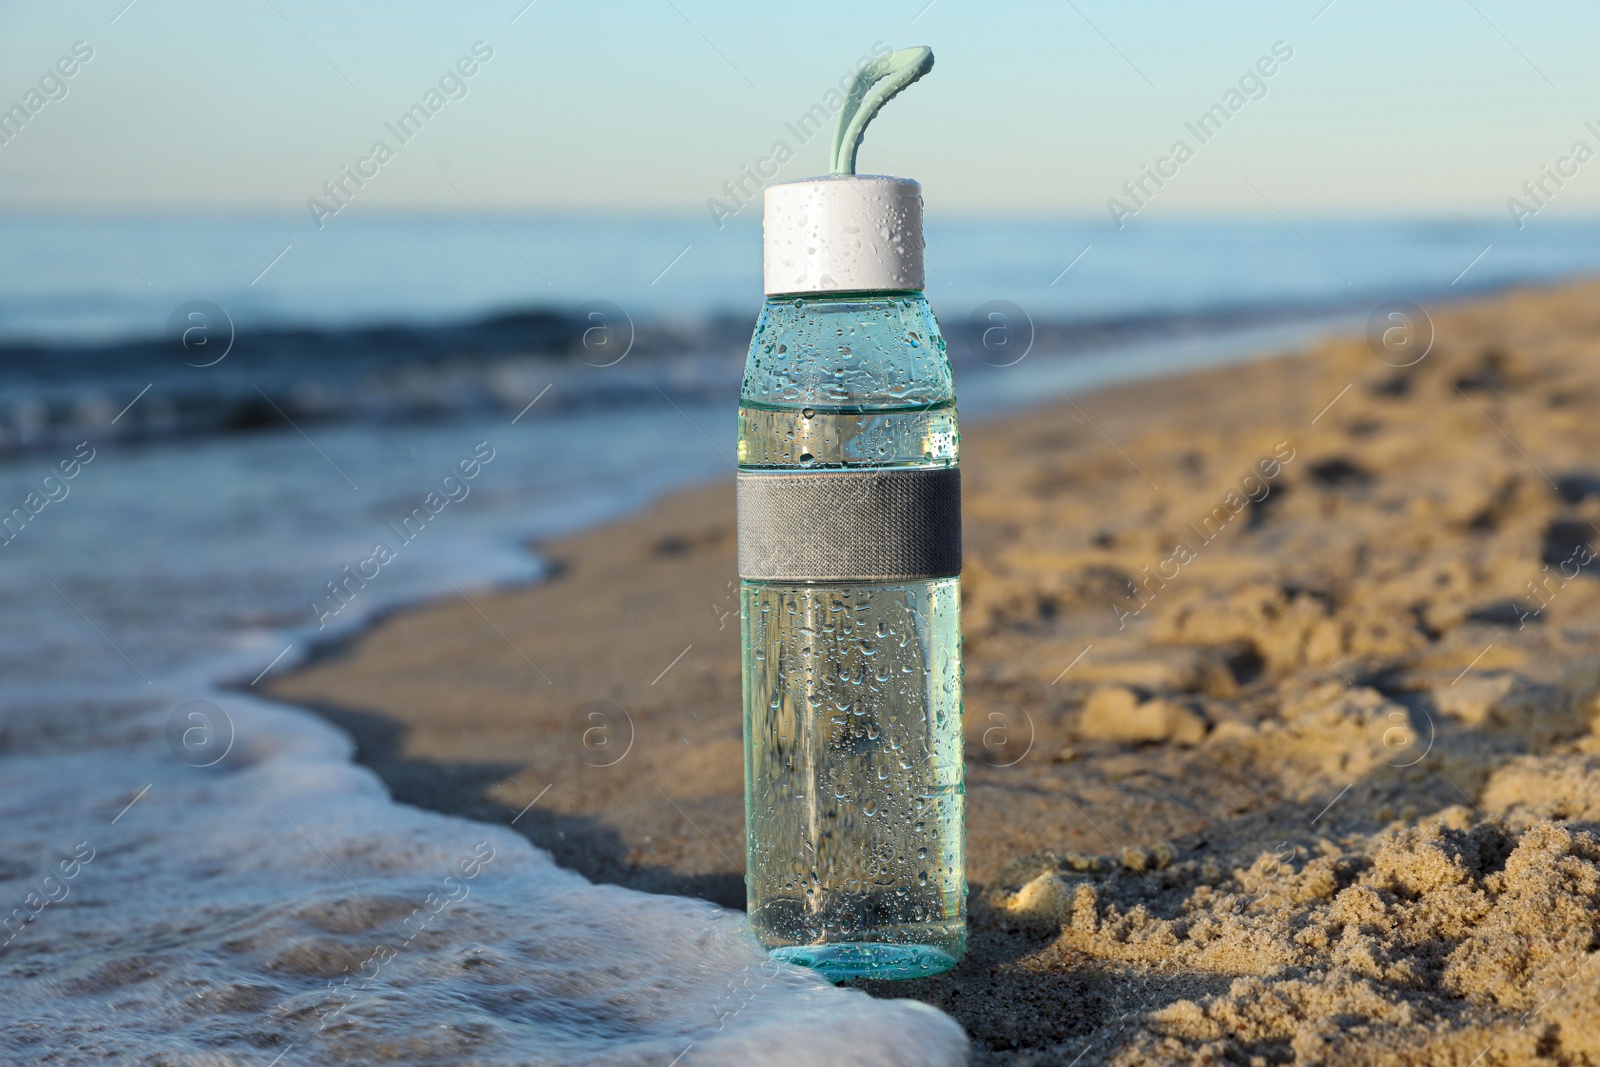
x,y
278,907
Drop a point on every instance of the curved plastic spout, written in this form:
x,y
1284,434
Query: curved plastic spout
x,y
877,83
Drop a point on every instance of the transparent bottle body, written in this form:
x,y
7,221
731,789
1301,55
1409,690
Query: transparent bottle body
x,y
854,801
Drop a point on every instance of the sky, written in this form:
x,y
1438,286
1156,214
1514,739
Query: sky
x,y
1433,107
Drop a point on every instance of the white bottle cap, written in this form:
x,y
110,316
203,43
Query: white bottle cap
x,y
844,232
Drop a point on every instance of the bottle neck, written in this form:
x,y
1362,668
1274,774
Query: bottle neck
x,y
852,349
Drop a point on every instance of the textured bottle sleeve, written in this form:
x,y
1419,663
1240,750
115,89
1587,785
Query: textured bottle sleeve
x,y
887,524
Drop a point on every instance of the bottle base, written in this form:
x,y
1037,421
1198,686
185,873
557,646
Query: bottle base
x,y
867,959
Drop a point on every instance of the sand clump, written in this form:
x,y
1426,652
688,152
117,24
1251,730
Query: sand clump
x,y
1429,938
1115,713
1384,926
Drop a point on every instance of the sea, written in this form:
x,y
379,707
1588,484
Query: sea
x,y
204,419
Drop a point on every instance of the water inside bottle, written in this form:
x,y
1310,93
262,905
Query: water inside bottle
x,y
852,691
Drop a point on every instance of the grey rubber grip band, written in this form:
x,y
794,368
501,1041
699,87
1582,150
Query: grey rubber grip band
x,y
891,524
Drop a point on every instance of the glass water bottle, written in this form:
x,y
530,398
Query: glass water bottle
x,y
849,529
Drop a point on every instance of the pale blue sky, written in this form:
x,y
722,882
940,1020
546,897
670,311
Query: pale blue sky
x,y
1430,107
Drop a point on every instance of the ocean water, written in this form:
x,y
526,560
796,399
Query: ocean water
x,y
240,324
66,280
174,527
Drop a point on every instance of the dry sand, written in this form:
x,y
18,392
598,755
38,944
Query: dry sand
x,y
1329,795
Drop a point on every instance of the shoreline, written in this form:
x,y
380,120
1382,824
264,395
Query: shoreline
x,y
675,523
1192,734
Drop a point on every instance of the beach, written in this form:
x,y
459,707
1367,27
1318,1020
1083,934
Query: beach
x,y
1280,694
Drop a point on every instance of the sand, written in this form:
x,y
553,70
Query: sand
x,y
1281,708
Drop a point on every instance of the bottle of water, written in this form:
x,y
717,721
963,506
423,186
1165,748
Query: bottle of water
x,y
849,557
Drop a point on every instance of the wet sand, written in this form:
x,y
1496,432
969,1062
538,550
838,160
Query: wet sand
x,y
1280,715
